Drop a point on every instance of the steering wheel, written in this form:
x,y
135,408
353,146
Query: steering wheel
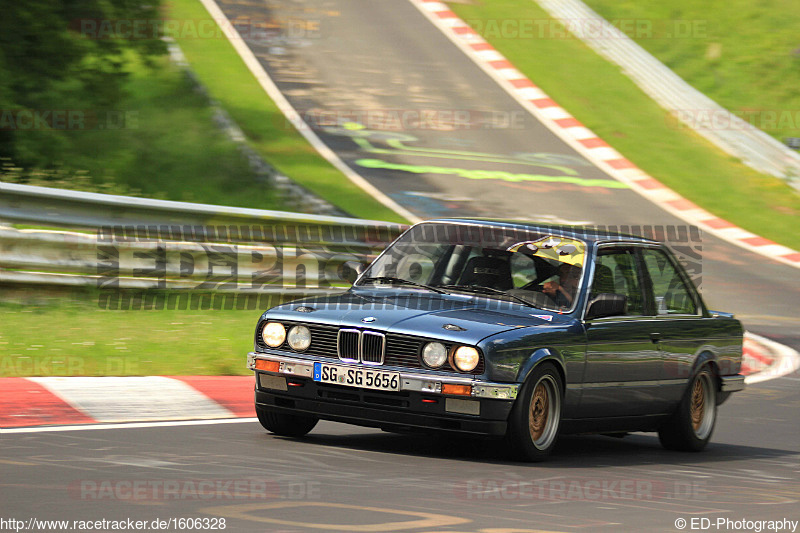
x,y
534,285
536,298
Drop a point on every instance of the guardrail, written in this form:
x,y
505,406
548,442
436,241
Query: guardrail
x,y
164,218
118,242
739,138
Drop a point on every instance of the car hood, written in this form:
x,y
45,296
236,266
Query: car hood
x,y
418,313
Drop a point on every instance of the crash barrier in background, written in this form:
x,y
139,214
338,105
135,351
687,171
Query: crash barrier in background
x,y
118,243
86,259
688,105
178,220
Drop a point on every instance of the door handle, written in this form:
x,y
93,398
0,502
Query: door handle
x,y
655,337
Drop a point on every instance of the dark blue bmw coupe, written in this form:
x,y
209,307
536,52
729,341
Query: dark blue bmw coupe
x,y
504,329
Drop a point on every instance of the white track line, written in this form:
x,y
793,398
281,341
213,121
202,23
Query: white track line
x,y
135,425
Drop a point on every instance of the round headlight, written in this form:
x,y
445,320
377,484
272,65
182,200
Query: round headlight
x,y
434,354
299,338
273,334
466,358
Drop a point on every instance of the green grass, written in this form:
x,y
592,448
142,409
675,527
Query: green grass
x,y
600,96
166,146
82,340
745,55
175,151
228,80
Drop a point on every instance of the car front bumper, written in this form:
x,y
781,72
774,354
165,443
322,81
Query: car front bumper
x,y
419,404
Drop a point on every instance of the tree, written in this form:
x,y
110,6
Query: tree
x,y
54,59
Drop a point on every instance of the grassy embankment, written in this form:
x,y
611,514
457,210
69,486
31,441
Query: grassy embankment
x,y
163,145
743,55
78,339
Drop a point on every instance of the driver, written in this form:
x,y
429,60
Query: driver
x,y
563,291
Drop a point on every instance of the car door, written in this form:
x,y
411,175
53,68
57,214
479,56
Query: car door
x,y
623,362
677,309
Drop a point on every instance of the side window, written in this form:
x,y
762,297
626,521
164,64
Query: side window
x,y
671,294
615,272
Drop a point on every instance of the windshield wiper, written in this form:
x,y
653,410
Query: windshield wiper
x,y
392,279
486,290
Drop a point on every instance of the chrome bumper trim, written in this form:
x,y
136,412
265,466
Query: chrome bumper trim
x,y
408,380
732,383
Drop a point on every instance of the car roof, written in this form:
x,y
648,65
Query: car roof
x,y
584,233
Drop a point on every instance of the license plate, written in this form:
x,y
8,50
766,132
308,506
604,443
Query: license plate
x,y
351,376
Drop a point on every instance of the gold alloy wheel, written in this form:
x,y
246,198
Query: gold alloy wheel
x,y
703,405
539,411
698,404
543,411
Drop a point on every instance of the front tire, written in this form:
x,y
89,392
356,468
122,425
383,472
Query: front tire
x,y
690,427
284,424
536,416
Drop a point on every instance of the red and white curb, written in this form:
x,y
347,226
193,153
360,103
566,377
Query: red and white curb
x,y
764,359
106,401
583,140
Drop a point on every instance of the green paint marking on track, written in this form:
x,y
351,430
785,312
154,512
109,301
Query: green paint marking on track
x,y
368,147
470,156
401,149
364,138
490,174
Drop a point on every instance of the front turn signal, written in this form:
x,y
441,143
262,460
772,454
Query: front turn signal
x,y
268,366
460,390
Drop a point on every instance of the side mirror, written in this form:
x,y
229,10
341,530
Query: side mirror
x,y
350,270
606,304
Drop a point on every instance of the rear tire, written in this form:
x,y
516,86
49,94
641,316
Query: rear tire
x,y
536,416
284,424
690,427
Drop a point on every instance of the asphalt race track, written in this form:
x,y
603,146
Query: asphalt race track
x,y
347,66
343,478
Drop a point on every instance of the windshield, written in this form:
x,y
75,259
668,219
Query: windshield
x,y
535,268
